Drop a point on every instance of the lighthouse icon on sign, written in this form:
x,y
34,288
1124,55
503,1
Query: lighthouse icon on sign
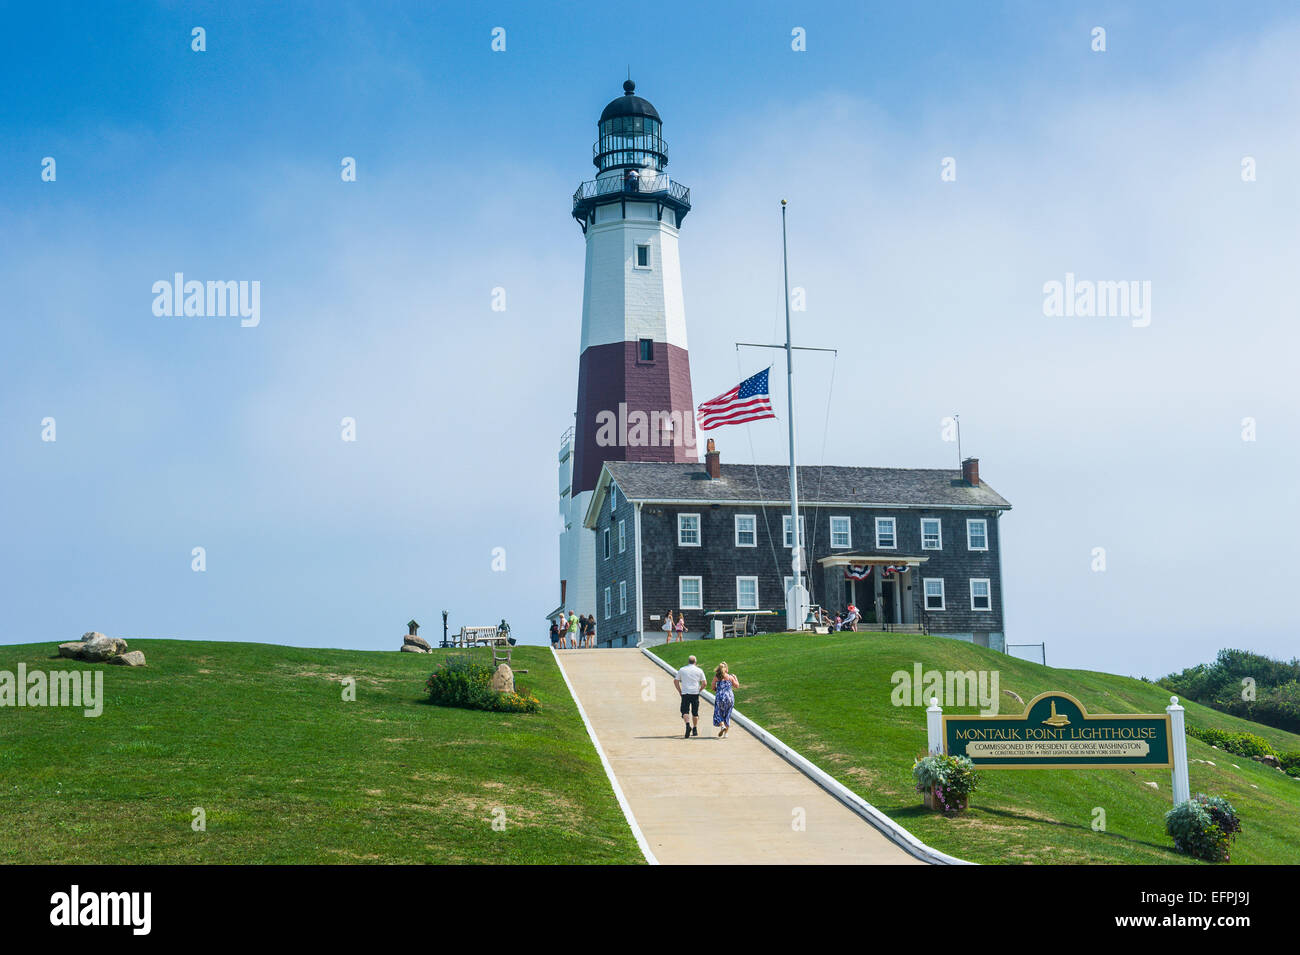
x,y
634,398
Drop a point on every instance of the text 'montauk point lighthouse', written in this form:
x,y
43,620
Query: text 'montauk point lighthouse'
x,y
634,379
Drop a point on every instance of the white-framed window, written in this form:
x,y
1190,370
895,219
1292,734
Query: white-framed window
x,y
886,533
977,534
746,530
690,593
605,542
841,533
933,593
642,255
622,536
785,531
688,530
785,583
607,613
981,594
613,497
622,596
931,534
746,593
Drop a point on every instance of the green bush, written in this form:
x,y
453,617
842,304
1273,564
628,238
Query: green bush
x,y
1203,827
461,682
1246,744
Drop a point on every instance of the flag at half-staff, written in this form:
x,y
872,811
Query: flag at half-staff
x,y
748,401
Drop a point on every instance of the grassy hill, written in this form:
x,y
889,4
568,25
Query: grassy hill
x,y
829,697
287,772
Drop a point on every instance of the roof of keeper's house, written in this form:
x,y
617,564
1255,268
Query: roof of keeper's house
x,y
770,484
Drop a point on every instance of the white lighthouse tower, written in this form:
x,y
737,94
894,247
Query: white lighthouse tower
x,y
634,376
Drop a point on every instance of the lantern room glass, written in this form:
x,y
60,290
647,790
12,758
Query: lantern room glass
x,y
633,141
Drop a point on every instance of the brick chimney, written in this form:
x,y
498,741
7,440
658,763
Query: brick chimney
x,y
713,462
970,471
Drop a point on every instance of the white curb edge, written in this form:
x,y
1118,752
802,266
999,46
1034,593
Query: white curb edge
x,y
609,770
887,827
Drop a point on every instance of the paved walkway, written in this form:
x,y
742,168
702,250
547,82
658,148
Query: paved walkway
x,y
708,800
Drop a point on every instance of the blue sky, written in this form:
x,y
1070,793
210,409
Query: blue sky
x,y
177,433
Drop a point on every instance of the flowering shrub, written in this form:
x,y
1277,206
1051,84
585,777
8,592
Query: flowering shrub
x,y
461,682
1203,827
951,778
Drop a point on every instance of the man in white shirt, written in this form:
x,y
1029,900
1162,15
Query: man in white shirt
x,y
689,683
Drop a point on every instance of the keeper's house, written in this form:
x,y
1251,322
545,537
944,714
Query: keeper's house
x,y
913,549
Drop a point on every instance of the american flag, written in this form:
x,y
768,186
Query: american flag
x,y
748,401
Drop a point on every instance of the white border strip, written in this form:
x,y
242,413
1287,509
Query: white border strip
x,y
890,829
609,770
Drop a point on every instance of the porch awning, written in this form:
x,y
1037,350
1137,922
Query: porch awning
x,y
843,560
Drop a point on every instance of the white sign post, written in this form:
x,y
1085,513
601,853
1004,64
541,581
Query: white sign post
x,y
934,725
1178,743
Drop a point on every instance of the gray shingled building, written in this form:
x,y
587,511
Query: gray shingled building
x,y
914,549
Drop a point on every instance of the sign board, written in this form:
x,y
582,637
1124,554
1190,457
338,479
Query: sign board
x,y
1055,731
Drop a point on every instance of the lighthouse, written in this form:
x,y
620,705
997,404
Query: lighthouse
x,y
634,380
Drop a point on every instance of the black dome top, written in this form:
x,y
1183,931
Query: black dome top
x,y
629,104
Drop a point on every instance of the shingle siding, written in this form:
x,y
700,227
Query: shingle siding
x,y
619,567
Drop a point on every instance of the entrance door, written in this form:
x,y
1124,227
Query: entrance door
x,y
889,598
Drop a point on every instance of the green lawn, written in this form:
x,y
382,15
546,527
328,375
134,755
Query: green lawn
x,y
260,738
829,697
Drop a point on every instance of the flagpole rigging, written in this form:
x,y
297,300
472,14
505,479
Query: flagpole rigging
x,y
795,606
797,597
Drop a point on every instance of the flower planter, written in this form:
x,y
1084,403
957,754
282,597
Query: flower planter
x,y
956,803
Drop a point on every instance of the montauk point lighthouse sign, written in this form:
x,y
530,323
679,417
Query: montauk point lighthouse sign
x,y
1056,732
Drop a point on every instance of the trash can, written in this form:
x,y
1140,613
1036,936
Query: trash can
x,y
716,629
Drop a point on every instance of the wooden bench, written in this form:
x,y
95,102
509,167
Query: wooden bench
x,y
487,636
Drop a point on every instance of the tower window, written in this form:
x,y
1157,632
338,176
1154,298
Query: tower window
x,y
646,350
643,255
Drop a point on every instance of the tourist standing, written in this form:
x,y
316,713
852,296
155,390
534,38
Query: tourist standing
x,y
724,699
573,630
689,681
591,631
681,626
668,627
555,635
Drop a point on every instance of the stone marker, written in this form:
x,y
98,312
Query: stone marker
x,y
503,680
413,641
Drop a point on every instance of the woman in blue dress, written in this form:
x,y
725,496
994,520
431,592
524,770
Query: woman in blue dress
x,y
724,683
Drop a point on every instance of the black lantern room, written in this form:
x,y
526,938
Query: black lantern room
x,y
630,156
631,134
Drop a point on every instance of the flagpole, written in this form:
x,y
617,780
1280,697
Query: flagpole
x,y
796,603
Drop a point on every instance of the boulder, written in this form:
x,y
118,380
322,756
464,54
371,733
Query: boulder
x,y
71,650
412,648
1270,760
503,680
101,648
132,658
412,640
